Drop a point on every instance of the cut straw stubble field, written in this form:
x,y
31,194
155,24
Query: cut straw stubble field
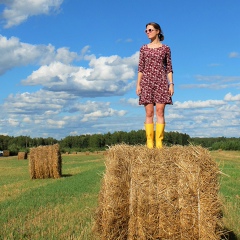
x,y
60,208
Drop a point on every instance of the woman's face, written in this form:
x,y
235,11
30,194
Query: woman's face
x,y
151,32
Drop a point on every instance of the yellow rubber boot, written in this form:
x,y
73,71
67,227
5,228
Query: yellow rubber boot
x,y
159,134
149,134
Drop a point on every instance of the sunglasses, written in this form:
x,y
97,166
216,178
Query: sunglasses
x,y
149,30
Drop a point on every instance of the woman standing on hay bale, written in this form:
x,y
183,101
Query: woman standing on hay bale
x,y
155,85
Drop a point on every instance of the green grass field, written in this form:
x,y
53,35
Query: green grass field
x,y
64,208
229,163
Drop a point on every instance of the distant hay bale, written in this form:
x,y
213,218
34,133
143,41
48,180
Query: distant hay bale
x,y
168,193
6,153
22,155
45,162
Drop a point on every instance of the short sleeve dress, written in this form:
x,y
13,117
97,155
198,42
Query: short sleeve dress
x,y
155,64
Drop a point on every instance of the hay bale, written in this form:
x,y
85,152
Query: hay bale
x,y
168,193
6,153
45,162
22,155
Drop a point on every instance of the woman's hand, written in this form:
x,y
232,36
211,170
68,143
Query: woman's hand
x,y
138,90
171,89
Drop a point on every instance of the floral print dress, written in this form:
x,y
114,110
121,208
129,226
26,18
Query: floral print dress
x,y
155,64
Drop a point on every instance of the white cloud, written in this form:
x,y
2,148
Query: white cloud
x,y
106,76
93,116
59,118
113,67
18,11
230,97
27,119
88,106
131,101
15,53
38,103
13,122
210,118
198,104
55,124
46,113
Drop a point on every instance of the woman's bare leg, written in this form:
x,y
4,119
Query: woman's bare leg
x,y
160,108
149,109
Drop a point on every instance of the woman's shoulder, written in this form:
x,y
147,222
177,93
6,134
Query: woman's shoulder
x,y
144,46
166,46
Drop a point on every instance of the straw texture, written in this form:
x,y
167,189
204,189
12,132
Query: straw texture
x,y
45,162
168,193
22,155
6,153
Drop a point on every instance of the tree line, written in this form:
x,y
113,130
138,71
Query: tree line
x,y
98,142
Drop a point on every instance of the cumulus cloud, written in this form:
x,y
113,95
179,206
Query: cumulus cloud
x,y
105,76
15,53
230,97
18,11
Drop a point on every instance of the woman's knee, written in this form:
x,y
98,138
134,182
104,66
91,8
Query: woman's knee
x,y
149,113
160,112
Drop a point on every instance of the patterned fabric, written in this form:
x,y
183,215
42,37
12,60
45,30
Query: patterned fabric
x,y
155,64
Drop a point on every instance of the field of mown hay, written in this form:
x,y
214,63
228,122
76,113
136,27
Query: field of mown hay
x,y
169,193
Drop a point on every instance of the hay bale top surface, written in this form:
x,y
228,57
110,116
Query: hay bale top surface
x,y
187,155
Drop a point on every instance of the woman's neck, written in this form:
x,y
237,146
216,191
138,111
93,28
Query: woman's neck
x,y
155,41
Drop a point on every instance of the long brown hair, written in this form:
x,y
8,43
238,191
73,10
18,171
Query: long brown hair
x,y
157,27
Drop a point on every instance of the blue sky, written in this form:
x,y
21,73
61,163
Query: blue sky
x,y
69,67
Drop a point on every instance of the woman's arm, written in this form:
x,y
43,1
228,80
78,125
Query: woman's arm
x,y
138,89
170,83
